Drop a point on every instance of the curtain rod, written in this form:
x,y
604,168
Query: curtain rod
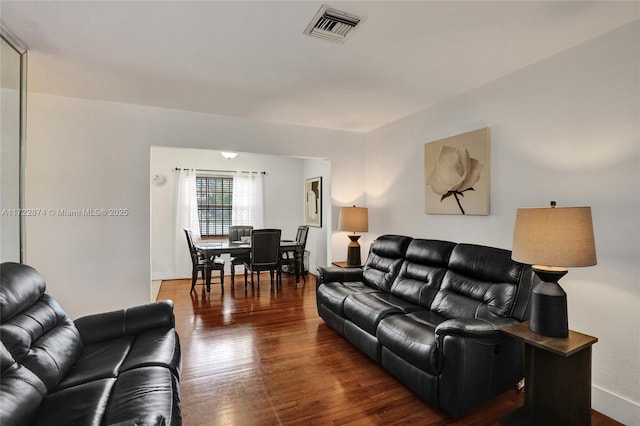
x,y
222,171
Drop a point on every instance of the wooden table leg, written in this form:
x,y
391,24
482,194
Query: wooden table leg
x,y
298,265
207,278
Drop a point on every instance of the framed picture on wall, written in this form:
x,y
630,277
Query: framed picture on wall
x,y
457,174
313,202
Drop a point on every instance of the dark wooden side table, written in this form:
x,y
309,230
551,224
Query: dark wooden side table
x,y
344,265
557,379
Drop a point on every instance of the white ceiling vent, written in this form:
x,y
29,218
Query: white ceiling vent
x,y
332,24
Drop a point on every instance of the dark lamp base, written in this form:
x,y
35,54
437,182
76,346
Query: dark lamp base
x,y
549,305
353,251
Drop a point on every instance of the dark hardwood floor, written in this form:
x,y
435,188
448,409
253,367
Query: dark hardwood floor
x,y
261,357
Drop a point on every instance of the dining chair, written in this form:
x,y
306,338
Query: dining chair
x,y
290,261
203,264
236,232
265,254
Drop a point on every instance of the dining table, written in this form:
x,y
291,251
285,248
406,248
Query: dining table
x,y
217,247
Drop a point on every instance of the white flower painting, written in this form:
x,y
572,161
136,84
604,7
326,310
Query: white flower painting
x,y
457,174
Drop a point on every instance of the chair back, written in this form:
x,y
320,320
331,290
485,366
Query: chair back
x,y
192,248
265,247
236,232
301,236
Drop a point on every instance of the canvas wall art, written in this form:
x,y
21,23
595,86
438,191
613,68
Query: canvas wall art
x,y
457,174
313,202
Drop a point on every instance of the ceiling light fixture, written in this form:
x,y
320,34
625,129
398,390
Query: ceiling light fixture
x,y
229,155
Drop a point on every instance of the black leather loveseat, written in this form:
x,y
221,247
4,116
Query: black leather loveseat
x,y
115,368
430,312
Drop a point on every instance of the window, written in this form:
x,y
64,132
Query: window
x,y
215,198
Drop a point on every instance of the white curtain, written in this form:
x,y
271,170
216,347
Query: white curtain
x,y
248,200
186,215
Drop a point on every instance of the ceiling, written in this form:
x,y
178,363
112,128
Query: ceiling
x,y
252,60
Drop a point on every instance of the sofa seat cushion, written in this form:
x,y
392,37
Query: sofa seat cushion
x,y
98,361
412,338
158,346
366,311
85,404
147,393
332,295
403,305
155,347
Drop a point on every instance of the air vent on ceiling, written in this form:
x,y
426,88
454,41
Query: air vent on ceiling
x,y
332,24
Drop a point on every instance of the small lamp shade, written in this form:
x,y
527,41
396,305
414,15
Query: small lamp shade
x,y
353,219
554,237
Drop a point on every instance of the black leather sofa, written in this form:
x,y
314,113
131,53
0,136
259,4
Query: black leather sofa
x,y
430,312
115,368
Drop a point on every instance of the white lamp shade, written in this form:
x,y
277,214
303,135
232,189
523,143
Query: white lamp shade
x,y
353,219
554,237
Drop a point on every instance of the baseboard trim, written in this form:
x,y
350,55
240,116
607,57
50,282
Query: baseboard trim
x,y
615,406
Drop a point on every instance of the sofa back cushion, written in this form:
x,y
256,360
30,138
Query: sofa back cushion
x,y
21,391
422,271
384,260
34,329
481,282
21,287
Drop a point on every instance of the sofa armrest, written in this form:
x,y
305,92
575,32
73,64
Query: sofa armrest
x,y
477,362
327,274
474,327
131,321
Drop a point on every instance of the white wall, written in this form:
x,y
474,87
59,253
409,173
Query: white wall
x,y
84,154
283,194
565,129
319,251
11,72
9,172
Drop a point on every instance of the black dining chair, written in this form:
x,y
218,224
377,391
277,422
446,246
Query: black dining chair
x,y
292,262
265,254
236,232
203,264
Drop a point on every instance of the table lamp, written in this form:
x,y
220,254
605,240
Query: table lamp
x,y
552,239
353,219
